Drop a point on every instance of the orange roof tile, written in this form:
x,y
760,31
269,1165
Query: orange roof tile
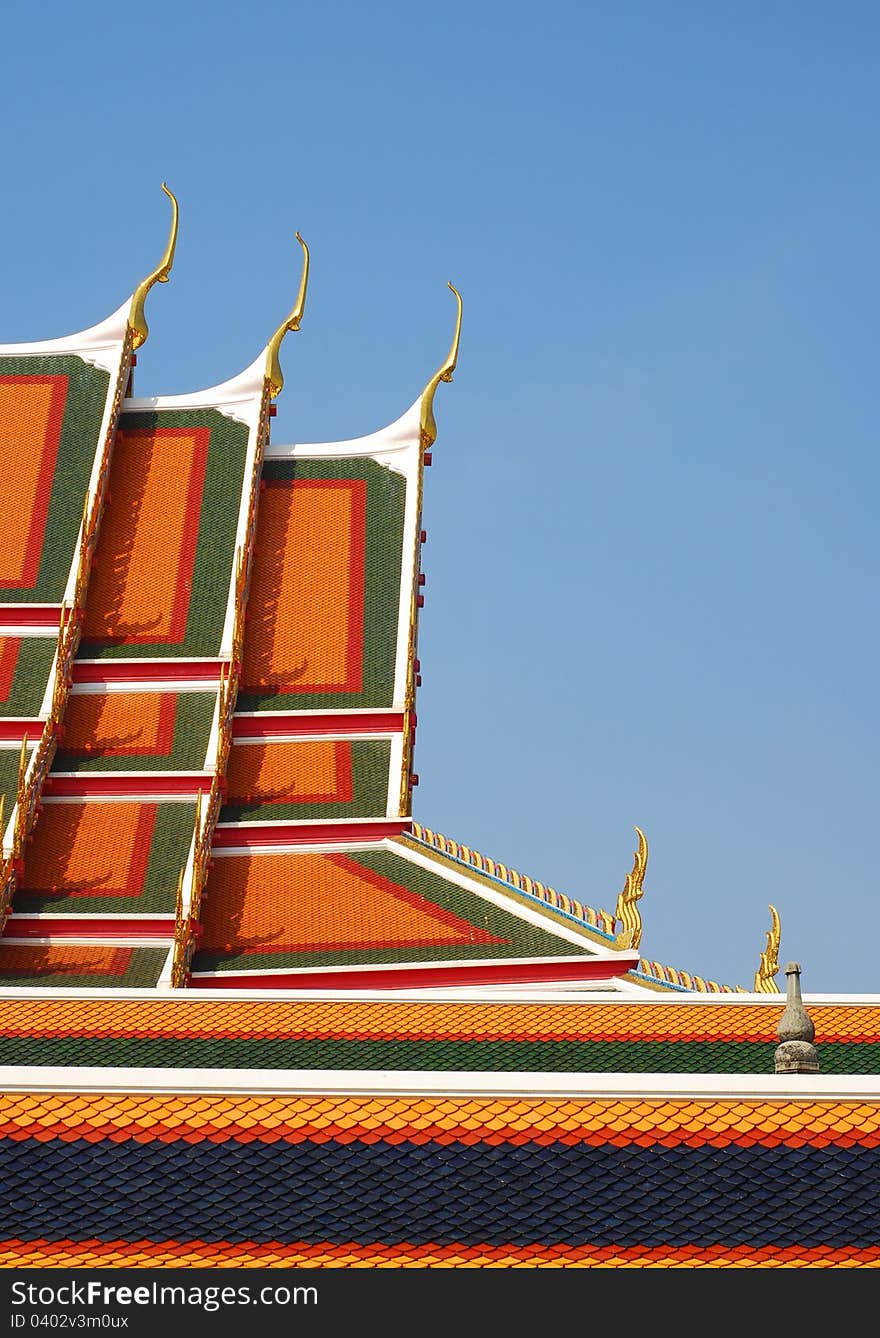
x,y
141,581
258,1017
31,415
118,723
317,771
623,1122
90,849
309,903
61,959
201,1254
305,609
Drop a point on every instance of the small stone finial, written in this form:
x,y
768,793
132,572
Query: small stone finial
x,y
796,1052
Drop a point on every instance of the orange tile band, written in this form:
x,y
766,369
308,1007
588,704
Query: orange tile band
x,y
314,903
120,723
406,1019
202,1254
141,583
316,772
31,416
90,849
56,959
606,1122
306,604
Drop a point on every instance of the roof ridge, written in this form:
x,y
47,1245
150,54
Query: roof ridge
x,y
602,922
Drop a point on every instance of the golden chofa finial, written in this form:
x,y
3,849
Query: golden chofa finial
x,y
444,373
137,321
274,376
769,959
626,910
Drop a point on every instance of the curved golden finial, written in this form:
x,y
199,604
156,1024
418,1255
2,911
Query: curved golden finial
x,y
274,377
769,959
626,910
137,321
428,428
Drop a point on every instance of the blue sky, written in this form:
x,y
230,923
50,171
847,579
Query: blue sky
x,y
652,562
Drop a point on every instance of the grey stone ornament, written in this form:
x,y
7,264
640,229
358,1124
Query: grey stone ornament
x,y
796,1052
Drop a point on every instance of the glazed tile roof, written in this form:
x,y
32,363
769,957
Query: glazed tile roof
x,y
10,760
306,778
600,924
160,1126
90,857
52,409
166,550
25,665
436,1180
214,1254
357,906
426,1035
325,594
64,965
59,403
135,731
167,581
331,620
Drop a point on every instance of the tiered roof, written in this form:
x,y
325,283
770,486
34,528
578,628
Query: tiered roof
x,y
252,1012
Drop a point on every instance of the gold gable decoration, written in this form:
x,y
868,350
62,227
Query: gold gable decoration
x,y
768,964
274,375
626,911
137,321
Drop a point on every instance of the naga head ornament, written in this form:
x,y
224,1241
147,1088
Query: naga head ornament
x,y
137,321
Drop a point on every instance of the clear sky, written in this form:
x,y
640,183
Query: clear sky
x,y
652,561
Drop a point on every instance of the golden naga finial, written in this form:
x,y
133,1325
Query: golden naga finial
x,y
137,321
626,911
428,428
274,377
769,959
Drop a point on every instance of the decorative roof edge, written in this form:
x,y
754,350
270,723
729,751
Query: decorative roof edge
x,y
768,962
245,396
100,346
383,445
428,427
600,924
626,910
274,375
415,427
137,320
128,324
240,398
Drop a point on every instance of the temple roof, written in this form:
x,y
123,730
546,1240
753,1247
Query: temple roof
x,y
519,1042
252,1012
236,720
194,1131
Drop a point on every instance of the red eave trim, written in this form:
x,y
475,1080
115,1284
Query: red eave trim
x,y
147,671
263,724
13,731
97,785
88,927
254,836
30,615
402,977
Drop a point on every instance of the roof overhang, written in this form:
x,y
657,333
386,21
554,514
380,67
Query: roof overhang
x,y
426,975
